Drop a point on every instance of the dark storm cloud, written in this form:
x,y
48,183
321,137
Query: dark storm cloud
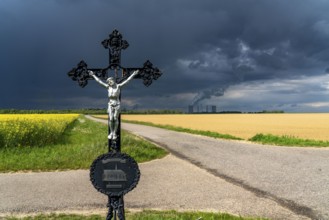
x,y
203,47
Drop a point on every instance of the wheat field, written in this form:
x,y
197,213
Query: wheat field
x,y
306,126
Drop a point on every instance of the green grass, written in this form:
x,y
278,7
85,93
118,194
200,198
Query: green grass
x,y
141,150
144,215
82,142
187,130
286,140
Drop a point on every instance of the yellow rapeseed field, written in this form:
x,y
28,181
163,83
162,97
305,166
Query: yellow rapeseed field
x,y
306,126
32,129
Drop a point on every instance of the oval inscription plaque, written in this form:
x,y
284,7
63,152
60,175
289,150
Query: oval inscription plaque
x,y
114,173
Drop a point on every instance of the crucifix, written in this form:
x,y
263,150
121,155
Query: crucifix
x,y
82,74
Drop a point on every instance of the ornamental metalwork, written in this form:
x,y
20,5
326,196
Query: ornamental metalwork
x,y
114,174
115,45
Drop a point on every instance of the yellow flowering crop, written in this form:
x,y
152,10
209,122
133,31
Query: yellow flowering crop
x,y
33,129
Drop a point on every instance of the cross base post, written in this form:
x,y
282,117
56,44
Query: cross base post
x,y
116,208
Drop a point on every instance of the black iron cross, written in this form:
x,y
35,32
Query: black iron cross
x,y
115,44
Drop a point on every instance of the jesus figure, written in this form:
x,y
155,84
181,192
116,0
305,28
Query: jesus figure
x,y
113,109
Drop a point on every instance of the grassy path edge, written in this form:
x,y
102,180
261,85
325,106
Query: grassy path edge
x,y
186,130
140,215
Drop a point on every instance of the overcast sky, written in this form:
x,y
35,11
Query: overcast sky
x,y
244,55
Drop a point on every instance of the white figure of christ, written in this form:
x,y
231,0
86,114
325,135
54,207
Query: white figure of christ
x,y
113,109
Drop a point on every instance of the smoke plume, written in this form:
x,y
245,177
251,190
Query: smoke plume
x,y
207,94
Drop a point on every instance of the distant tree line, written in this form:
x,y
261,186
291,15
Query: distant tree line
x,y
151,111
90,111
53,111
272,111
239,112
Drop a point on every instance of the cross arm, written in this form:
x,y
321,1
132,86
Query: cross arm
x,y
147,73
81,75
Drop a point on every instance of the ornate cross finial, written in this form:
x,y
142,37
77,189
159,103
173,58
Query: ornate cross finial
x,y
115,44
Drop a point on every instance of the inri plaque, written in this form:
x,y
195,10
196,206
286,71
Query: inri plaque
x,y
114,173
